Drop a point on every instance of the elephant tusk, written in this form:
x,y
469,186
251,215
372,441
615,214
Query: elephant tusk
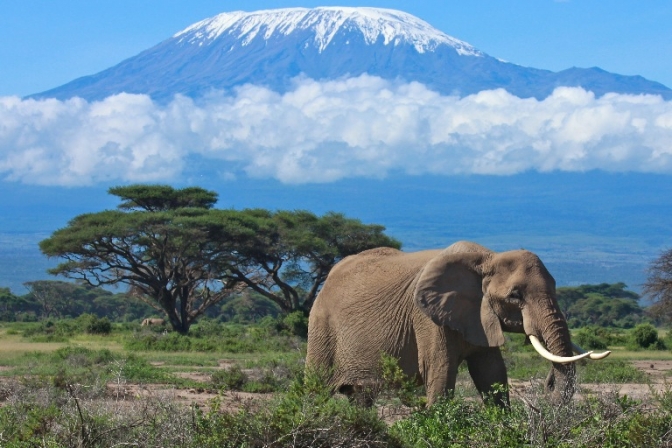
x,y
579,350
554,358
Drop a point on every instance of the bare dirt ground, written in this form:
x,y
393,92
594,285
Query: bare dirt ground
x,y
660,377
659,373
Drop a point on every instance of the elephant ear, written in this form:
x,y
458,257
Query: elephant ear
x,y
450,292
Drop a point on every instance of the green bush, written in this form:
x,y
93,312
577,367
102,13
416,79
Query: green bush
x,y
52,330
214,337
307,415
294,324
592,337
406,389
461,423
41,414
232,378
92,324
645,336
668,340
86,366
275,374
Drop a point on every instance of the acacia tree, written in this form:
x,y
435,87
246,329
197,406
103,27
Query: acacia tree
x,y
286,256
181,256
658,286
159,243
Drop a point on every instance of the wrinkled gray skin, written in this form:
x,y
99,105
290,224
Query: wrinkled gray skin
x,y
152,321
432,310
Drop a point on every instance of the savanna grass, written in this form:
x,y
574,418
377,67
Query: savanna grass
x,y
308,415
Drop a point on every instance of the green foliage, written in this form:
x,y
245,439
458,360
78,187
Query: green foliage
x,y
247,307
459,423
178,253
590,338
610,371
597,338
211,336
45,416
63,329
52,330
274,374
305,416
93,369
92,324
155,198
522,361
69,410
293,324
406,389
611,421
232,378
605,305
49,300
645,336
10,305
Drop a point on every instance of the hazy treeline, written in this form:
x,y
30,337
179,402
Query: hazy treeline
x,y
604,305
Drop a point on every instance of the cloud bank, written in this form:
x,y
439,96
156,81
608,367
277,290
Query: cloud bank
x,y
325,131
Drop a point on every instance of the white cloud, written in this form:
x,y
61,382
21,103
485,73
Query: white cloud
x,y
324,131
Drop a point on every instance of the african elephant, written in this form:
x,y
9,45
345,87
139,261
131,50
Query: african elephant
x,y
152,321
432,310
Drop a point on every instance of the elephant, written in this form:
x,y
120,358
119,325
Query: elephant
x,y
152,322
432,310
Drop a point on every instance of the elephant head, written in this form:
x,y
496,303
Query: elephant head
x,y
480,294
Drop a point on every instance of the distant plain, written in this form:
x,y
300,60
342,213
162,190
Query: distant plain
x,y
587,227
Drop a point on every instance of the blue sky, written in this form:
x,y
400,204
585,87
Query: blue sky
x,y
46,43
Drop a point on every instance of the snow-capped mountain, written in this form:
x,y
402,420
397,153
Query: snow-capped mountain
x,y
323,25
272,47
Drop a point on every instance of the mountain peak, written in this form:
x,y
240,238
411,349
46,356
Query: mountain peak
x,y
272,48
392,26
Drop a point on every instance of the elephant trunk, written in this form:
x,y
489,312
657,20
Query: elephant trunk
x,y
554,332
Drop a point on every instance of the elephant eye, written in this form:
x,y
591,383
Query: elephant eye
x,y
515,295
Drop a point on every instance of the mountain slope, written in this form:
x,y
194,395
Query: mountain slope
x,y
272,47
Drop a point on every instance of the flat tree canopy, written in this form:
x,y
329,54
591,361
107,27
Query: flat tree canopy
x,y
182,256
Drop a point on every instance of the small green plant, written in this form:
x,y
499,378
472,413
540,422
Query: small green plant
x,y
232,378
406,389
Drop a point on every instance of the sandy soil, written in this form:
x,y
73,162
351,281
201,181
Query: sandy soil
x,y
659,373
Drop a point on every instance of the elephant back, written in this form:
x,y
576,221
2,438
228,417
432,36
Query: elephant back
x,y
467,246
368,273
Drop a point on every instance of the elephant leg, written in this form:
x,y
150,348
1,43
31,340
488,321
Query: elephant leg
x,y
487,368
440,381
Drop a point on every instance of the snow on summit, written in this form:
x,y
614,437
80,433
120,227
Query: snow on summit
x,y
395,27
